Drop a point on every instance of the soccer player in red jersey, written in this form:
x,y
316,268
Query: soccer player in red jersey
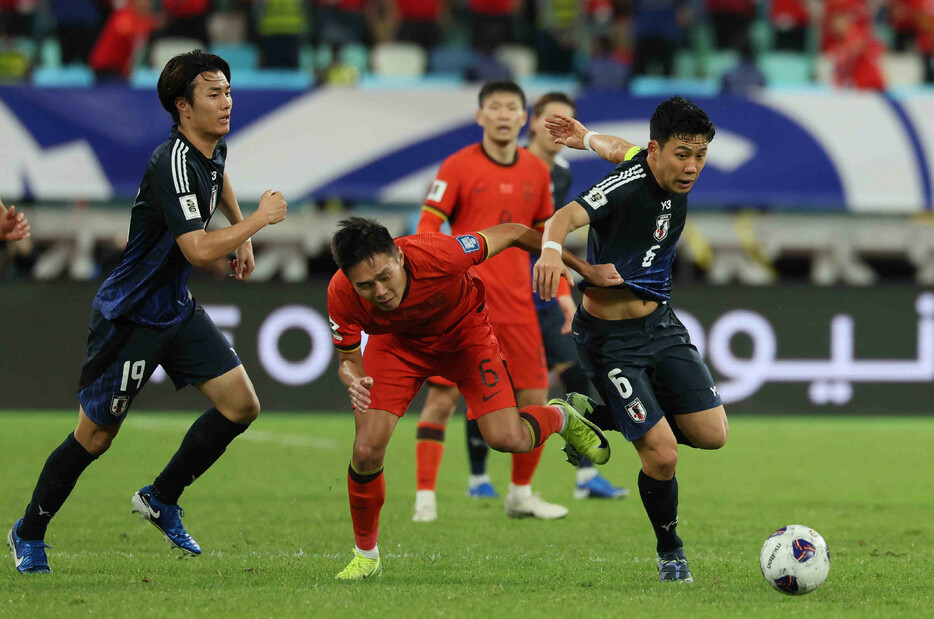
x,y
424,308
492,182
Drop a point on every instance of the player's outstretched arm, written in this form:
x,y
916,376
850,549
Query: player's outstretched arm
x,y
571,132
202,248
13,225
351,373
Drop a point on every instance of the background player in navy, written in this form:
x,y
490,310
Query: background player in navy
x,y
554,316
144,315
658,392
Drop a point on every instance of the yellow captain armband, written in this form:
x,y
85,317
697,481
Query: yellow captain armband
x,y
632,152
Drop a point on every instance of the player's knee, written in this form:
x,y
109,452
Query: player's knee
x,y
661,463
367,457
247,410
97,443
508,441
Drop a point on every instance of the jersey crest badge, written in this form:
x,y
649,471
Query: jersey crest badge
x,y
636,411
662,224
213,198
437,190
189,206
469,243
119,405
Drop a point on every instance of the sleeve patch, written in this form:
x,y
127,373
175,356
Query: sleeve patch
x,y
437,190
189,204
335,330
595,198
469,243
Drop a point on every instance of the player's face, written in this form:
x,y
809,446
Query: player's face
x,y
542,138
380,280
502,117
679,162
210,112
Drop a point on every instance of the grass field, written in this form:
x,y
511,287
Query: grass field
x,y
273,519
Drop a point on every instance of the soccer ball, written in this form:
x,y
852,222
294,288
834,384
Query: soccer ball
x,y
795,559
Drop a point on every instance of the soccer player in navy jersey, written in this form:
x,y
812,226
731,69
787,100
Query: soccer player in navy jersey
x,y
144,315
658,392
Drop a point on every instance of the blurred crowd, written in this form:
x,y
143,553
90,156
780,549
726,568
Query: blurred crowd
x,y
604,43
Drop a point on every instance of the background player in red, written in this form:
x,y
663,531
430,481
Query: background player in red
x,y
424,308
492,182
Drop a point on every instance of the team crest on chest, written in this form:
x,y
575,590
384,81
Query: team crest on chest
x,y
662,224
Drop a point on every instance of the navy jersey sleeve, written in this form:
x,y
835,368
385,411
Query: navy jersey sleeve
x,y
175,186
611,192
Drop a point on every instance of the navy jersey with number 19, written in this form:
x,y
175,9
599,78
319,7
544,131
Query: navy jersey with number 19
x,y
179,193
635,224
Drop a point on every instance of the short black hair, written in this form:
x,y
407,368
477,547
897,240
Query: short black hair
x,y
677,117
553,97
501,86
358,240
178,77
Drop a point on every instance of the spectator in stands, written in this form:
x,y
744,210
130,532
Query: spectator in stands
x,y
730,19
557,24
77,25
282,27
852,45
608,67
17,17
186,18
657,26
745,78
419,21
901,19
125,33
790,20
492,23
922,15
340,21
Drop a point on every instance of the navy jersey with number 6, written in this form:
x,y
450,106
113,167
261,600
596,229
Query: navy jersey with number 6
x,y
179,193
634,224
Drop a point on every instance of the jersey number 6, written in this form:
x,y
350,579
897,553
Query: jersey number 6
x,y
621,382
489,377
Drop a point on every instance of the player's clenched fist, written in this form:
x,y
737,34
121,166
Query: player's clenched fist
x,y
359,391
273,205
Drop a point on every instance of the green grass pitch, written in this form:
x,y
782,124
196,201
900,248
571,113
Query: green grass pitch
x,y
273,519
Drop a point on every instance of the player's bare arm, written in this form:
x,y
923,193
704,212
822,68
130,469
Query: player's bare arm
x,y
13,225
549,267
244,262
351,373
571,132
202,248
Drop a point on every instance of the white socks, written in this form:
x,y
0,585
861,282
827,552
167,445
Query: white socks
x,y
370,554
520,492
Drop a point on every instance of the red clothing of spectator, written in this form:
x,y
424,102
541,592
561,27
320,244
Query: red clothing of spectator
x,y
493,7
856,56
125,31
185,8
790,13
736,7
419,10
919,18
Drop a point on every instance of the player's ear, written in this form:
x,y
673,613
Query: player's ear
x,y
400,256
181,103
480,111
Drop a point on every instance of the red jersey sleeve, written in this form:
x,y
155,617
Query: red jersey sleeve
x,y
342,310
450,255
442,196
546,204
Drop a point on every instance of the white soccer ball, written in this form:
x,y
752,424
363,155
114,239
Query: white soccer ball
x,y
795,559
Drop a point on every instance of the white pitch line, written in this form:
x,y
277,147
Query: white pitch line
x,y
258,436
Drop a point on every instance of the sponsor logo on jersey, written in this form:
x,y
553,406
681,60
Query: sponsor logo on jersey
x,y
119,405
636,411
666,205
662,224
437,190
189,206
334,330
469,243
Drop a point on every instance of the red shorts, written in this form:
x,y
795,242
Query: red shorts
x,y
524,352
399,369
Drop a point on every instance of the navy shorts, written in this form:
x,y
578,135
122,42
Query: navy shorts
x,y
122,356
644,368
559,347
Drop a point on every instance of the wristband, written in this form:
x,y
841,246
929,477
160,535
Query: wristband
x,y
587,137
552,245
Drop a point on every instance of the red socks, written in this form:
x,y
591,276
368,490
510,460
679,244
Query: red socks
x,y
367,495
543,421
524,465
429,449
